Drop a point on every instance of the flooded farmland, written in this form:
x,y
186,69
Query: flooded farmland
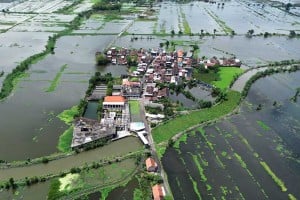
x,y
231,159
226,160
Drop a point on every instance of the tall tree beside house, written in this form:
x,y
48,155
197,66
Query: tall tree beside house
x,y
101,59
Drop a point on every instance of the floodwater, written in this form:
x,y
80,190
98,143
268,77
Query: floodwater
x,y
91,110
37,134
116,148
259,50
277,144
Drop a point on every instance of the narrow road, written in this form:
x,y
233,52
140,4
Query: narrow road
x,y
153,149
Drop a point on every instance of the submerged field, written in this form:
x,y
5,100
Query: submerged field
x,y
251,155
249,145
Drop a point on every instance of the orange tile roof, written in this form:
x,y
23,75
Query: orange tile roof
x,y
114,99
157,192
179,53
150,162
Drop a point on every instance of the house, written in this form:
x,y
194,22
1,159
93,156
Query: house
x,y
151,165
158,192
114,102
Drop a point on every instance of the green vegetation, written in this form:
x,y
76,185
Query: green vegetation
x,y
277,180
167,130
186,27
226,75
54,189
56,79
106,5
200,169
137,194
134,107
65,140
291,197
182,138
221,23
101,59
239,158
68,115
206,75
195,187
263,125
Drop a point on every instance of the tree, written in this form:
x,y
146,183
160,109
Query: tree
x,y
101,59
202,31
45,160
172,32
292,33
266,34
250,32
232,32
288,6
167,44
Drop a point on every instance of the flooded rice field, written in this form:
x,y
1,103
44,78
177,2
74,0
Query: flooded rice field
x,y
37,134
259,50
239,16
234,158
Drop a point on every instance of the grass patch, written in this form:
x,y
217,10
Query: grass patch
x,y
263,125
167,130
277,180
209,77
56,79
134,107
138,194
68,182
68,115
65,140
226,75
183,138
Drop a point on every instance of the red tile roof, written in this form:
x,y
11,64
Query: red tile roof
x,y
157,192
150,162
114,99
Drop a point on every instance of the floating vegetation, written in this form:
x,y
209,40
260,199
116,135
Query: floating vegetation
x,y
200,169
55,81
263,125
224,153
195,187
277,180
292,197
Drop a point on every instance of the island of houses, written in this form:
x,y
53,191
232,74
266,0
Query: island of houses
x,y
152,68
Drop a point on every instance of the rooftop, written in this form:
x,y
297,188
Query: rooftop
x,y
114,99
158,192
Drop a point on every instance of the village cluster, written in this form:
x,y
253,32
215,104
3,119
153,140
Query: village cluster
x,y
152,67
